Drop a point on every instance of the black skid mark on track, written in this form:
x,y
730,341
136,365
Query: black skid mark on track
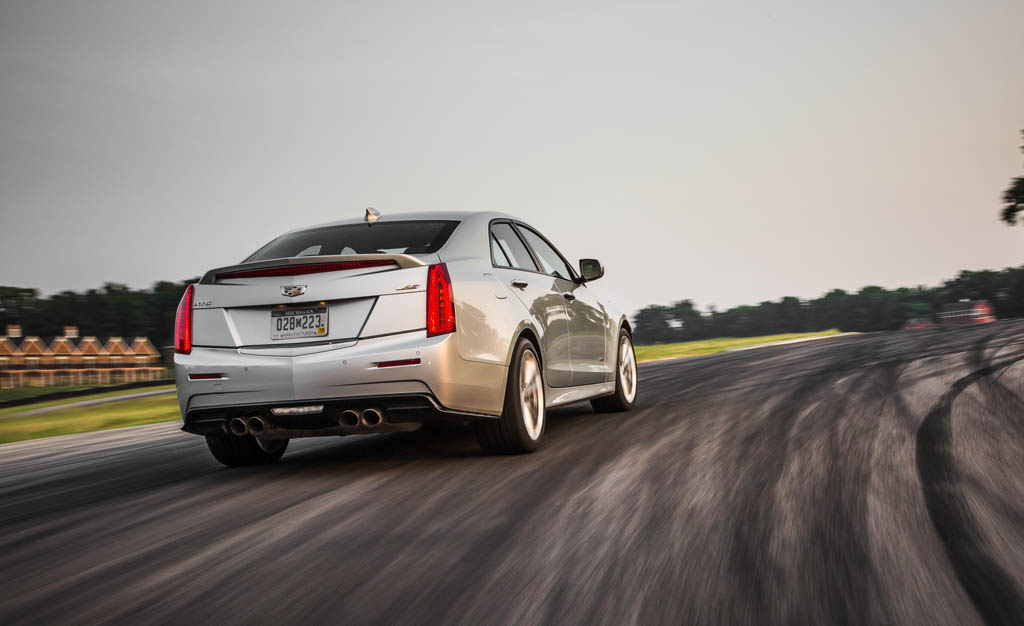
x,y
1003,400
766,459
995,595
841,537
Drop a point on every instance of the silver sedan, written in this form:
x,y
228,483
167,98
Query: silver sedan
x,y
384,323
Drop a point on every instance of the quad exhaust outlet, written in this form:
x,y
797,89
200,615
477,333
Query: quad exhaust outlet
x,y
347,422
371,418
241,426
349,418
238,427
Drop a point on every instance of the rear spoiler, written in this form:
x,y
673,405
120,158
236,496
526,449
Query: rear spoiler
x,y
400,260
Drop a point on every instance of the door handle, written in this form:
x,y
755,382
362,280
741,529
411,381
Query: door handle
x,y
519,284
569,296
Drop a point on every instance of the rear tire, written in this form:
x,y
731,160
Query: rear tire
x,y
234,451
625,379
523,417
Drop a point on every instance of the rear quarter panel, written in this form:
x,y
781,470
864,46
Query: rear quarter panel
x,y
488,317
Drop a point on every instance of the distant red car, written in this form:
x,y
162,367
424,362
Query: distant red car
x,y
967,312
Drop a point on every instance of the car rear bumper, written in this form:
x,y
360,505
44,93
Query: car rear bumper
x,y
398,413
441,385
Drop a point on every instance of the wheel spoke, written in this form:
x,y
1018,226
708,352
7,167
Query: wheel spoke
x,y
531,394
627,369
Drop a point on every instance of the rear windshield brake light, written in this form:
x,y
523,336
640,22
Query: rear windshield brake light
x,y
313,268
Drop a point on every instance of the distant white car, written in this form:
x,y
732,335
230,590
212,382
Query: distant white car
x,y
387,322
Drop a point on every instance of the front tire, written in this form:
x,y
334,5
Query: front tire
x,y
523,418
625,379
246,450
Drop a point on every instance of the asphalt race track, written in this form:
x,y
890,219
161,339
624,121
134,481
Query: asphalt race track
x,y
876,478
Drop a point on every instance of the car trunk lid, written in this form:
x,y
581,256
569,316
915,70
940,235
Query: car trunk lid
x,y
325,299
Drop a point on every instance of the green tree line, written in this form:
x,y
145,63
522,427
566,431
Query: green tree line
x,y
1013,198
871,308
113,310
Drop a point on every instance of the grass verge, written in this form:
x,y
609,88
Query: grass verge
x,y
80,419
712,346
105,394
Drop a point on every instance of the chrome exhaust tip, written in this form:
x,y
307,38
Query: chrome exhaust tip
x,y
349,418
256,425
371,418
238,427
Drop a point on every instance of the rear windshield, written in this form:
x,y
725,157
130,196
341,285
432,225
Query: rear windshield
x,y
380,238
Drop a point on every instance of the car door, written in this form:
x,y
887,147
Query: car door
x,y
587,319
515,267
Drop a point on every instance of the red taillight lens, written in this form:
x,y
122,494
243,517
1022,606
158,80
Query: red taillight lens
x,y
312,268
440,306
183,322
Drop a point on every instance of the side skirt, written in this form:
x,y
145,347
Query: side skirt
x,y
565,395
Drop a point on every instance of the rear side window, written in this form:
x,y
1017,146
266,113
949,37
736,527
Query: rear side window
x,y
413,237
498,258
551,262
512,247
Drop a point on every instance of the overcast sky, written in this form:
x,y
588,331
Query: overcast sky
x,y
727,152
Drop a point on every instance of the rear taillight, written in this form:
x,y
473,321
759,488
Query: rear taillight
x,y
312,268
440,306
183,322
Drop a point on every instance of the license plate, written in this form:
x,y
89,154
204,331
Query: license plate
x,y
298,322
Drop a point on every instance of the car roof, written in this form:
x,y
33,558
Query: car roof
x,y
415,216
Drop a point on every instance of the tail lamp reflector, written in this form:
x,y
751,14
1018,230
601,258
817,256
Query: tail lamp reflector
x,y
183,322
440,306
398,363
311,268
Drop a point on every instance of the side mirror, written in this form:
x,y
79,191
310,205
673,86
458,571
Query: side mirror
x,y
590,269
